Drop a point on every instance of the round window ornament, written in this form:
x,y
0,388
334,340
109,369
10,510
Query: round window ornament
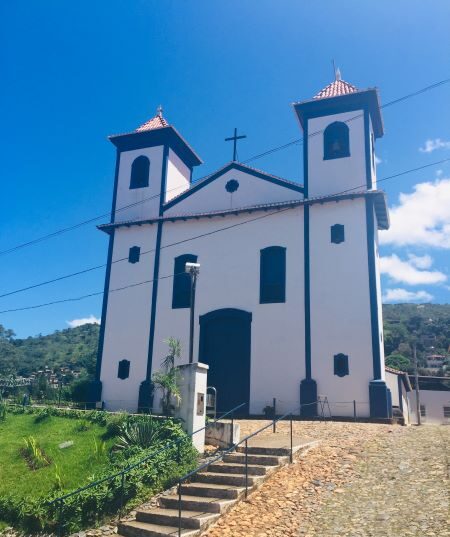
x,y
232,186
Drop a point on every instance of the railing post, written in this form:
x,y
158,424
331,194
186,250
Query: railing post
x,y
354,409
274,425
232,428
122,486
292,443
246,468
60,507
179,508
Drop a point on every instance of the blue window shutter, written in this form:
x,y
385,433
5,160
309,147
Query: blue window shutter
x,y
124,369
140,172
337,233
134,254
336,141
341,365
272,275
181,296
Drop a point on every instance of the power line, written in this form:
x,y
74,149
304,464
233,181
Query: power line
x,y
213,232
255,157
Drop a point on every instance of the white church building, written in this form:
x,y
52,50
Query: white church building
x,y
288,301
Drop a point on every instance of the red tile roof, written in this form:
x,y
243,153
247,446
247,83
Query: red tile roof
x,y
336,88
155,123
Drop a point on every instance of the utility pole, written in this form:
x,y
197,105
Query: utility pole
x,y
416,377
193,269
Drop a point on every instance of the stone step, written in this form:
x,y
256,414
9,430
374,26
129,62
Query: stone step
x,y
258,450
232,468
197,503
170,517
237,480
263,460
212,490
133,528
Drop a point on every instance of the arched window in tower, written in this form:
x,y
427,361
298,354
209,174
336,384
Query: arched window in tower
x,y
272,275
336,141
181,296
140,171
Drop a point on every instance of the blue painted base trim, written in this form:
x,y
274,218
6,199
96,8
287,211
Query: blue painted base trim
x,y
146,390
308,396
380,399
95,391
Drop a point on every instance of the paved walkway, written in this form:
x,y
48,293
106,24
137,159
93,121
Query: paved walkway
x,y
362,480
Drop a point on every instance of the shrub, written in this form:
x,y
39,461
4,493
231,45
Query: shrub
x,y
160,470
144,433
34,454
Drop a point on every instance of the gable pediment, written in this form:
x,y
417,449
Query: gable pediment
x,y
233,186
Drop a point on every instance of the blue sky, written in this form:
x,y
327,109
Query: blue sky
x,y
74,72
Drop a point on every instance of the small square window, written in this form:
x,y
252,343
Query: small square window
x,y
337,233
446,411
341,365
134,254
124,369
423,411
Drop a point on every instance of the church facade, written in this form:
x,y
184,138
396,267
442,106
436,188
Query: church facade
x,y
288,299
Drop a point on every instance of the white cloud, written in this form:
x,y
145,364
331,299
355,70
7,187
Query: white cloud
x,y
421,218
420,261
402,295
377,160
407,271
432,145
79,322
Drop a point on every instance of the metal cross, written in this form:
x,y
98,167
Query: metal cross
x,y
235,138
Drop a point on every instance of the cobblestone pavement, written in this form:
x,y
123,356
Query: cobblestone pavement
x,y
363,480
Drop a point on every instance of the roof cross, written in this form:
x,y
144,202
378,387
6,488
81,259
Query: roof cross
x,y
235,138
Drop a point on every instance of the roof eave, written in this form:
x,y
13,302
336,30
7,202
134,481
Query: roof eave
x,y
160,135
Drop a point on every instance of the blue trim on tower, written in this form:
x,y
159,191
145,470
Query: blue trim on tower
x,y
376,352
367,149
400,398
156,265
307,296
101,339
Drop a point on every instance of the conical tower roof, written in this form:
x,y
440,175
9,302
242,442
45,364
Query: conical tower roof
x,y
336,88
156,122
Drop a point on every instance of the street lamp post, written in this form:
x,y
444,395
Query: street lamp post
x,y
193,269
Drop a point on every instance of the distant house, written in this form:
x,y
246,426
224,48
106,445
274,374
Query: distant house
x,y
436,361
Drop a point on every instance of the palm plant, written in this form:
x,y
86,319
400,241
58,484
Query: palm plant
x,y
144,433
167,379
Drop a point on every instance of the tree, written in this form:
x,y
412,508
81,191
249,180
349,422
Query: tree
x,y
398,361
167,379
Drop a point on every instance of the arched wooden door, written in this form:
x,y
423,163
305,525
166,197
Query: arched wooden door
x,y
225,341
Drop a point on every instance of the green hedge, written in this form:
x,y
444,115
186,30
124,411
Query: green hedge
x,y
96,504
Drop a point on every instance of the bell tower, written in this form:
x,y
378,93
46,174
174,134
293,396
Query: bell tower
x,y
344,358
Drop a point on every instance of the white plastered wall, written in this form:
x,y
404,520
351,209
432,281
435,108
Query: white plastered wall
x,y
434,402
340,305
229,278
128,317
329,177
150,207
178,176
252,191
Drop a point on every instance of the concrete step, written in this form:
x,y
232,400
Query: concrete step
x,y
237,480
262,460
232,468
258,450
133,528
197,503
169,517
212,490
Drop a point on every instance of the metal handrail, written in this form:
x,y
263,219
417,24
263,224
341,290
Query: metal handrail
x,y
245,440
60,500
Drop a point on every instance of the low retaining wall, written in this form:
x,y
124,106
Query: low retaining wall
x,y
219,434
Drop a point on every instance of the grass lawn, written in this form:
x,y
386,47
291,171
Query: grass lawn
x,y
75,463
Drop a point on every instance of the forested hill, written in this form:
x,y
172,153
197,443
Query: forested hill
x,y
76,348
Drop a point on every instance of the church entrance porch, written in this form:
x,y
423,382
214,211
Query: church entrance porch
x,y
225,342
